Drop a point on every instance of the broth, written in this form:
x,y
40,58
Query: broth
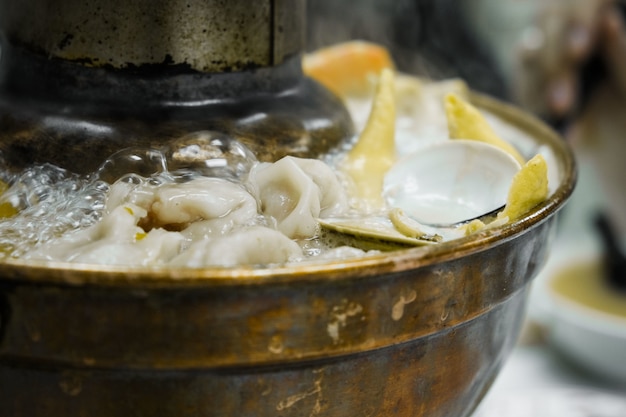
x,y
153,207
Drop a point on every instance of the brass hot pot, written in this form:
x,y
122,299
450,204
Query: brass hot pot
x,y
415,332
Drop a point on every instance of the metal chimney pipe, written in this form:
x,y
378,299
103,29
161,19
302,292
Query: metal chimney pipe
x,y
205,35
81,79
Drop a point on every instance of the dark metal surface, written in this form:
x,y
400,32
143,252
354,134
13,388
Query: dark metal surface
x,y
204,35
417,332
77,117
80,80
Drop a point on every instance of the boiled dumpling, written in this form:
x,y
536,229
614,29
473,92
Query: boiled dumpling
x,y
203,199
294,192
333,199
116,240
133,190
154,248
255,245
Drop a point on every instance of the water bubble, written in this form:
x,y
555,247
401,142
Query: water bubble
x,y
141,161
131,179
50,201
211,154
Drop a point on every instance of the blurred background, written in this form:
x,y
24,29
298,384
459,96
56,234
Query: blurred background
x,y
565,62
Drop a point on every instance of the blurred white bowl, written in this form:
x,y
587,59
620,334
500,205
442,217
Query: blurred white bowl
x,y
588,325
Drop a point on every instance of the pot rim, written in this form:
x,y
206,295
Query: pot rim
x,y
67,273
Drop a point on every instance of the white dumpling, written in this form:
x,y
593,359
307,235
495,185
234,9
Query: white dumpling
x,y
343,252
333,198
203,199
121,192
254,245
116,239
295,192
157,247
120,225
217,227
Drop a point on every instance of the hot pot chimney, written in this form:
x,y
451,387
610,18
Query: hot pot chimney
x,y
81,79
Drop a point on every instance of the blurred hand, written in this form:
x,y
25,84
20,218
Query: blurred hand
x,y
566,35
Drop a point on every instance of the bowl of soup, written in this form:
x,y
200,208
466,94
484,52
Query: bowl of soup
x,y
585,317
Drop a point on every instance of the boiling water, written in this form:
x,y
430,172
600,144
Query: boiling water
x,y
51,201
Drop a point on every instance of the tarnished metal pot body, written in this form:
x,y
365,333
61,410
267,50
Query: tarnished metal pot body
x,y
424,342
416,332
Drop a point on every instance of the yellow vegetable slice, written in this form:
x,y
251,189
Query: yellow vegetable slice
x,y
529,188
6,209
346,68
375,150
466,122
473,226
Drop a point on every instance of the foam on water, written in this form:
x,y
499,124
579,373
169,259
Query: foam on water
x,y
51,201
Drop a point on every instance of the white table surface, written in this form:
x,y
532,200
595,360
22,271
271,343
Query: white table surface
x,y
537,382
